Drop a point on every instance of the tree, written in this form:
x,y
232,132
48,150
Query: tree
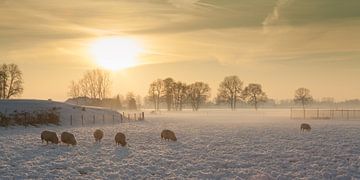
x,y
131,102
180,94
155,92
168,92
302,95
11,82
198,93
230,90
94,84
74,90
254,95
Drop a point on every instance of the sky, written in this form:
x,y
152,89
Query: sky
x,y
281,44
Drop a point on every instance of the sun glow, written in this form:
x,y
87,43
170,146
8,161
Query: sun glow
x,y
116,53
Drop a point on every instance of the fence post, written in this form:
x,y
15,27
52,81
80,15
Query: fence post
x,y
71,119
94,119
121,118
82,120
113,119
317,113
103,118
25,120
143,116
123,114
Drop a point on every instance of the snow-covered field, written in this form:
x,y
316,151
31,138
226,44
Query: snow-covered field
x,y
212,144
66,111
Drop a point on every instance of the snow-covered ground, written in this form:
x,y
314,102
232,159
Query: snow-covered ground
x,y
212,144
69,114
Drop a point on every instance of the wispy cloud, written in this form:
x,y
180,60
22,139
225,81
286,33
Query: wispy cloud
x,y
274,16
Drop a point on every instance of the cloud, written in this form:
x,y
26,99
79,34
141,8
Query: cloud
x,y
274,16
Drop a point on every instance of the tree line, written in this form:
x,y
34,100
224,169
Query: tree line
x,y
95,85
176,93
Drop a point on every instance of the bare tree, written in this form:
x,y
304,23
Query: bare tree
x,y
254,95
94,84
198,93
11,82
180,94
302,95
168,92
230,90
155,92
74,90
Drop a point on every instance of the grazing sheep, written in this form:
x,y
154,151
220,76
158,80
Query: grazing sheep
x,y
168,135
98,135
49,136
305,126
120,139
68,138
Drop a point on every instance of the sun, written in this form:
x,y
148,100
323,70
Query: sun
x,y
115,53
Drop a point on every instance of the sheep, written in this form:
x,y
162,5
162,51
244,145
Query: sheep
x,y
168,135
305,126
49,136
68,138
120,139
98,135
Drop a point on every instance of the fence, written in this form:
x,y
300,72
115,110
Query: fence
x,y
341,114
86,119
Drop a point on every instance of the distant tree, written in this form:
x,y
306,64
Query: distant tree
x,y
254,95
168,92
198,93
230,91
302,96
180,94
11,82
74,90
131,102
155,93
94,84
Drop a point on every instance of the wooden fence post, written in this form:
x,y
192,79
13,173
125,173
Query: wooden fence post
x,y
103,118
82,120
317,113
25,120
71,119
143,116
94,118
121,118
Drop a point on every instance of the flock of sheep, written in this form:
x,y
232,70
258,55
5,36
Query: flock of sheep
x,y
120,139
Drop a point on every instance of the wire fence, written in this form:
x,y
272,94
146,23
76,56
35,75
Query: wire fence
x,y
88,119
339,114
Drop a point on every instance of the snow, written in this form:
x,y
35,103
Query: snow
x,y
65,110
212,144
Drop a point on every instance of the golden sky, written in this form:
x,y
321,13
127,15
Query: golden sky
x,y
282,44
